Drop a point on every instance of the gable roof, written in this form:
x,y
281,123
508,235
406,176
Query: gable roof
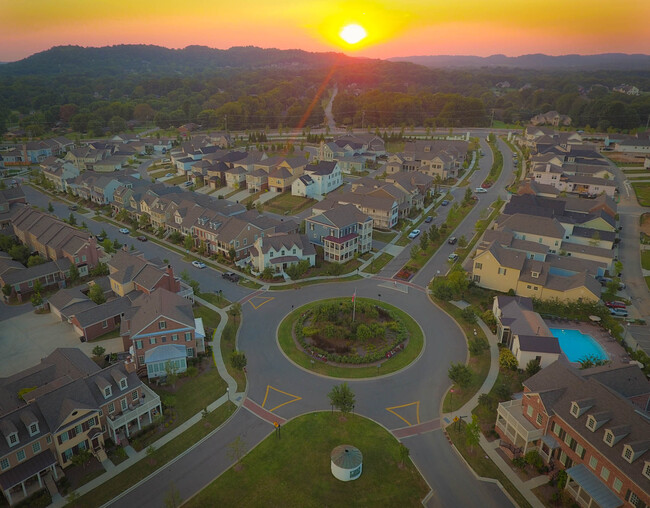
x,y
147,308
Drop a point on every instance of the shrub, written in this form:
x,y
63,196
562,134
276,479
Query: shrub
x,y
468,315
507,360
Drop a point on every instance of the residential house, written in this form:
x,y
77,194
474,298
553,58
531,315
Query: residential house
x,y
48,275
343,232
101,319
132,272
72,405
257,181
158,319
9,198
58,171
280,251
551,118
524,331
593,423
54,239
383,209
318,179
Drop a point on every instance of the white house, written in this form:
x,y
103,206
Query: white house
x,y
279,251
545,350
304,186
326,176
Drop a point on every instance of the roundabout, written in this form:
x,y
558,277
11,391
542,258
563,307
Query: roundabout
x,y
350,340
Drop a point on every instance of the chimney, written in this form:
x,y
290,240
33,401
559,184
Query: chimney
x,y
129,365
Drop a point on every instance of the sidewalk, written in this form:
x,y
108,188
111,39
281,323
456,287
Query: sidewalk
x,y
231,395
490,448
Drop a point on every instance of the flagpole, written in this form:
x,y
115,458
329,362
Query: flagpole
x,y
354,304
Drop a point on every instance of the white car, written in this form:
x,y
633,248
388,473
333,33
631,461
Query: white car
x,y
453,257
414,234
124,230
198,264
480,190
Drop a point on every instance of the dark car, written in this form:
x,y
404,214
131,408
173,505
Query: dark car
x,y
603,280
142,238
428,219
73,208
452,240
444,202
101,238
232,277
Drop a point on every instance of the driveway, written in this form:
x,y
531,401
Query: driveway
x,y
27,338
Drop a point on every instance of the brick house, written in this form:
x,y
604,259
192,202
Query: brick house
x,y
158,319
132,272
593,423
73,405
50,274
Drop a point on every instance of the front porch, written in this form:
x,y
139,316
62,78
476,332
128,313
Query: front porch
x,y
138,414
29,477
588,490
513,425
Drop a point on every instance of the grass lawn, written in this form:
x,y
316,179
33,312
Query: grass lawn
x,y
211,319
176,180
378,264
214,299
395,146
645,259
110,335
389,365
286,203
635,171
639,177
298,285
227,344
642,190
383,236
156,460
192,394
280,473
483,466
647,280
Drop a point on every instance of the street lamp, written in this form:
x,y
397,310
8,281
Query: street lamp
x,y
451,400
228,393
379,295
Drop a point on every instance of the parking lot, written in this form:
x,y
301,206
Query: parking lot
x,y
27,338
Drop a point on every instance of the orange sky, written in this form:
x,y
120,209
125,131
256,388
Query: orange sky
x,y
395,28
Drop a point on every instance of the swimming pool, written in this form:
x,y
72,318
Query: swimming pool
x,y
576,345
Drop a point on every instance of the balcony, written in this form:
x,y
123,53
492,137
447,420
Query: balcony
x,y
142,406
513,423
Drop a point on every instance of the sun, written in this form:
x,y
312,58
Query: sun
x,y
353,33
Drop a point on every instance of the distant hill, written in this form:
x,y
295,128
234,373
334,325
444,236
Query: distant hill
x,y
139,59
605,61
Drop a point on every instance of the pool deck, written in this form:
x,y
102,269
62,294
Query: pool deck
x,y
617,354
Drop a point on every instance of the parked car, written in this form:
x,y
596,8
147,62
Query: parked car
x,y
480,190
198,264
603,280
444,202
428,219
414,234
453,257
142,238
621,286
231,276
100,238
124,231
618,312
452,240
616,305
189,183
168,175
74,208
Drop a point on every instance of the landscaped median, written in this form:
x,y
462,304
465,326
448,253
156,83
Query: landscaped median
x,y
497,162
293,469
351,366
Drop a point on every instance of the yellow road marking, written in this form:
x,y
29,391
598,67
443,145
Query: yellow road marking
x,y
417,412
295,398
266,300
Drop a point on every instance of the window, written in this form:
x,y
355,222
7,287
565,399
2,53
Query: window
x,y
529,410
111,408
539,418
575,410
124,404
138,344
78,430
134,395
4,463
188,336
162,325
634,500
567,439
175,337
617,484
107,392
190,351
48,439
580,451
591,423
36,447
83,259
556,429
123,383
604,473
627,453
101,413
646,470
502,271
609,438
163,339
478,266
152,340
593,463
33,429
141,359
105,323
20,455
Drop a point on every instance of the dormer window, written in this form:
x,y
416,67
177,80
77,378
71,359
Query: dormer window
x,y
108,392
646,469
12,439
33,429
575,410
123,383
609,437
628,454
591,423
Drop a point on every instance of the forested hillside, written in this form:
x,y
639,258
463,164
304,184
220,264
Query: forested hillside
x,y
95,91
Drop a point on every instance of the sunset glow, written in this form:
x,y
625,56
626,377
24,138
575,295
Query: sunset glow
x,y
408,27
353,33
